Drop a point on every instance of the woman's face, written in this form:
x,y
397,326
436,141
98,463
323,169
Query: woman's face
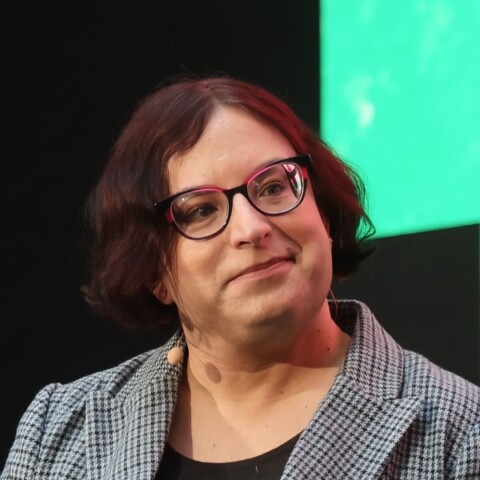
x,y
291,253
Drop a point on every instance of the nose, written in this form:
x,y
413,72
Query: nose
x,y
247,226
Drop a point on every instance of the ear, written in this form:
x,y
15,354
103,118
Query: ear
x,y
163,294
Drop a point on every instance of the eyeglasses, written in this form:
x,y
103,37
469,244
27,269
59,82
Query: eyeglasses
x,y
201,213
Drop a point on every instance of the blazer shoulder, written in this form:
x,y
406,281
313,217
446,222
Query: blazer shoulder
x,y
449,398
119,381
55,419
450,419
110,381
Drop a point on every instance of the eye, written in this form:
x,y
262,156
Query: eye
x,y
199,213
272,189
198,207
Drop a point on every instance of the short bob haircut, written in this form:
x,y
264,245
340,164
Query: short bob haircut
x,y
131,248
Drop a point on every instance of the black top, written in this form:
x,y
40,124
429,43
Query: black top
x,y
268,466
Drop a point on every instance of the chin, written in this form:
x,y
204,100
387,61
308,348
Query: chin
x,y
271,323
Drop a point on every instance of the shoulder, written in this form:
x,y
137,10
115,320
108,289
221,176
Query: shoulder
x,y
56,418
111,381
446,424
114,383
451,413
383,367
449,399
441,387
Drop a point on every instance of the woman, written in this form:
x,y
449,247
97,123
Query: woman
x,y
221,209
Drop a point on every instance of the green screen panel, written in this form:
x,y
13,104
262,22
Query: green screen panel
x,y
401,103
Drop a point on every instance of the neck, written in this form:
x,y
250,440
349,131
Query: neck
x,y
232,373
234,400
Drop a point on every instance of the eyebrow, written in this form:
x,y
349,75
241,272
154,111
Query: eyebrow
x,y
209,185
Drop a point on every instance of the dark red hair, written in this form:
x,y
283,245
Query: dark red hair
x,y
131,248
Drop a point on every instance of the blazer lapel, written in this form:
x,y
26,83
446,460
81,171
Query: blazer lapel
x,y
126,433
364,416
351,436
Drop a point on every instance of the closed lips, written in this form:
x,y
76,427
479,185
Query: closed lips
x,y
261,266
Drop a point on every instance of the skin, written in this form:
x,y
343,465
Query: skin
x,y
262,345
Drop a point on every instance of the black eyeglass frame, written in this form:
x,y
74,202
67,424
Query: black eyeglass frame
x,y
164,205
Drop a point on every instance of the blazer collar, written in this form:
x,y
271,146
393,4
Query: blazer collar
x,y
374,362
127,424
351,435
363,416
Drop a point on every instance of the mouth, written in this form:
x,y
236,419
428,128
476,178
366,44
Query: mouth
x,y
265,268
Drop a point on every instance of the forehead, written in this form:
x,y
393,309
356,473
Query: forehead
x,y
233,145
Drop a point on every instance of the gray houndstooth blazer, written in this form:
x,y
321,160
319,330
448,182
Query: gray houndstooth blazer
x,y
391,414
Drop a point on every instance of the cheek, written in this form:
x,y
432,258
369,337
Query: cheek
x,y
310,225
195,266
310,233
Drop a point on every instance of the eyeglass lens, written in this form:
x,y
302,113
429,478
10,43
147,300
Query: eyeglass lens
x,y
273,190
